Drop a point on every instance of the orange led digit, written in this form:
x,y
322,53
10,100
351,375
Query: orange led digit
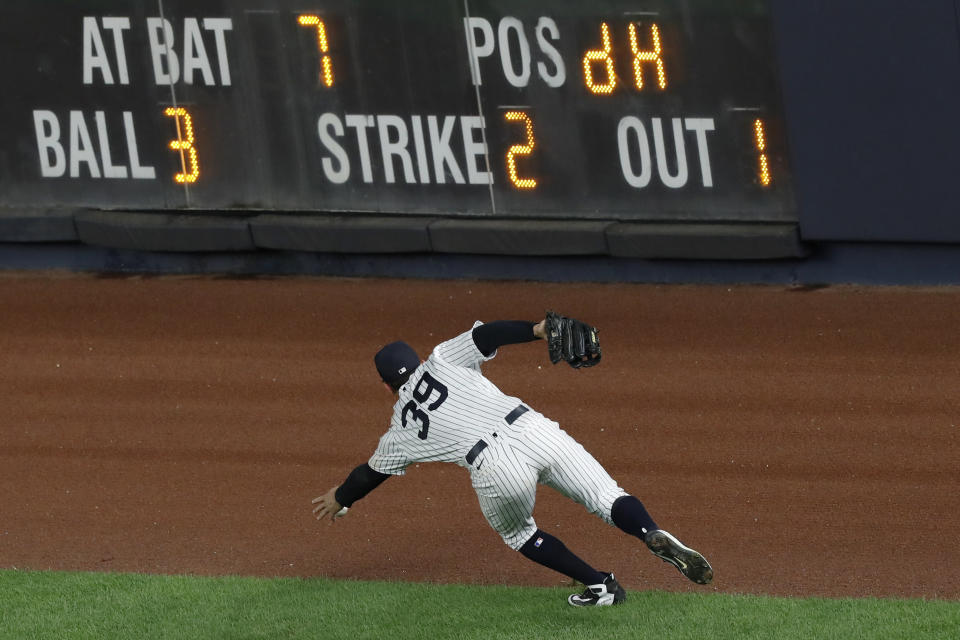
x,y
326,66
763,165
184,144
655,56
520,150
596,55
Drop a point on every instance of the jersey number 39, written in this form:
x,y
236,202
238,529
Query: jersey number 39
x,y
424,388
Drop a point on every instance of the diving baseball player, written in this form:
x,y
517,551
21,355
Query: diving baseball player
x,y
447,411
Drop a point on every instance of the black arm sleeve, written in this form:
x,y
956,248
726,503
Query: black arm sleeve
x,y
489,337
359,483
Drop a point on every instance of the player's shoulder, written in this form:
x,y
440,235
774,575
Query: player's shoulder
x,y
458,347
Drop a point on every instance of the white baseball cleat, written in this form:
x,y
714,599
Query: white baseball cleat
x,y
607,593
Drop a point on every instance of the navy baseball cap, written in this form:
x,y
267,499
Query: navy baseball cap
x,y
396,360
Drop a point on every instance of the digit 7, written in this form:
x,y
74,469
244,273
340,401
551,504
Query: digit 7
x,y
326,66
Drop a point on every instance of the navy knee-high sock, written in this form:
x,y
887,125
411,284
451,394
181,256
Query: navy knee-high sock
x,y
631,516
544,549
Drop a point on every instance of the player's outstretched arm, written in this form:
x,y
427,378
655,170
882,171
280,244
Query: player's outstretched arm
x,y
493,335
358,484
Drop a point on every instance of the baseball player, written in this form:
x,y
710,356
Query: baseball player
x,y
447,411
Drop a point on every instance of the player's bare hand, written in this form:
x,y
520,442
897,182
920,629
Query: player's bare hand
x,y
327,506
539,329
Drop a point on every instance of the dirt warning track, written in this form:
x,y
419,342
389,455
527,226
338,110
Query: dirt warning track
x,y
805,441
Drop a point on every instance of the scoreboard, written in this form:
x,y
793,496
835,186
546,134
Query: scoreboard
x,y
631,110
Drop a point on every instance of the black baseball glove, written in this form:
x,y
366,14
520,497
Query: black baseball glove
x,y
571,340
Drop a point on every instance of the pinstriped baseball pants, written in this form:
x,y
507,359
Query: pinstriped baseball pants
x,y
505,477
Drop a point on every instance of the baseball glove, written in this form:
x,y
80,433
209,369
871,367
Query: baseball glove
x,y
572,341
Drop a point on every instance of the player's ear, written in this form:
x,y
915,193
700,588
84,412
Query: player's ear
x,y
387,387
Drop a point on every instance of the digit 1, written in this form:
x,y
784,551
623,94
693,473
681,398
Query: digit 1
x,y
184,144
639,57
606,56
520,150
326,66
763,165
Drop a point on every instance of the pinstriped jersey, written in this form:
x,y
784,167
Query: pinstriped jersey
x,y
445,407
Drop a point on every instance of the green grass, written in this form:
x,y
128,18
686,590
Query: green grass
x,y
100,605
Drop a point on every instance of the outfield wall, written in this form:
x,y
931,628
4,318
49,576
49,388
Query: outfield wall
x,y
862,171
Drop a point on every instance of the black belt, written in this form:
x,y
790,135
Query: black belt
x,y
510,418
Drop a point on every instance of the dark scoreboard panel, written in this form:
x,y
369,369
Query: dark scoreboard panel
x,y
613,109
